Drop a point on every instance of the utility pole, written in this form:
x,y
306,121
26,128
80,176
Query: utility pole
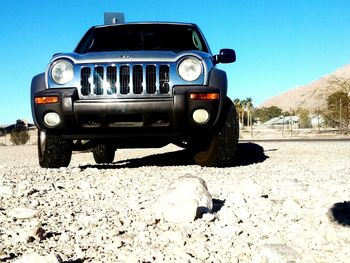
x,y
290,122
251,125
340,118
318,120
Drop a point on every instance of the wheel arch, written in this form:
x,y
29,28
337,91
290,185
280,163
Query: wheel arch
x,y
38,84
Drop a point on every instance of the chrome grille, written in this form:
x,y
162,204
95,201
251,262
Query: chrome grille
x,y
118,81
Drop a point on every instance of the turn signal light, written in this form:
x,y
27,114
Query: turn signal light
x,y
46,100
204,96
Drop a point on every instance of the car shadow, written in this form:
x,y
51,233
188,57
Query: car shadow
x,y
247,154
340,213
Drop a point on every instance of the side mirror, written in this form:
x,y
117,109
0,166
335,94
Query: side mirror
x,y
226,55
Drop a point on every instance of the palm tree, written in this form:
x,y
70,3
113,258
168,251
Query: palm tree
x,y
248,108
240,110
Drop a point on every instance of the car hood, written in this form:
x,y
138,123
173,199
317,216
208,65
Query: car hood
x,y
129,56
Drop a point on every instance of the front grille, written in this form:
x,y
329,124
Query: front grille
x,y
138,80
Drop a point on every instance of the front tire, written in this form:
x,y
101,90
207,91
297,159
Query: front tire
x,y
53,150
221,148
103,153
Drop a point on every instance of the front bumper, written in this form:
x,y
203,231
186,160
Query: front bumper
x,y
129,118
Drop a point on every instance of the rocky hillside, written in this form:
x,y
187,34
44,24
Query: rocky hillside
x,y
311,96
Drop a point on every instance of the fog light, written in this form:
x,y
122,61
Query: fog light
x,y
200,116
52,119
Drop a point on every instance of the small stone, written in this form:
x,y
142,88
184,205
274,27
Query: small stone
x,y
331,235
3,255
23,213
36,230
79,252
275,253
244,257
5,191
110,247
172,237
207,217
64,237
35,203
36,258
22,186
84,185
76,170
127,239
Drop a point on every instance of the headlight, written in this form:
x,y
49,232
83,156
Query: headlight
x,y
190,69
62,71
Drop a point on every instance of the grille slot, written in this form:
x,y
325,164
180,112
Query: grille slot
x,y
119,81
124,79
112,80
98,81
137,78
84,81
164,79
151,79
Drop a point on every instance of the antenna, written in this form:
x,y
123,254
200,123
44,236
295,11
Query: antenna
x,y
114,18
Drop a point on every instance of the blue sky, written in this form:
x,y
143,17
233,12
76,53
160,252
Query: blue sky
x,y
279,44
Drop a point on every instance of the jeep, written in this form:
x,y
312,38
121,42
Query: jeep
x,y
136,85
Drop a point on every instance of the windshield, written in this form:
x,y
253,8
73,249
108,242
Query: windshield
x,y
171,37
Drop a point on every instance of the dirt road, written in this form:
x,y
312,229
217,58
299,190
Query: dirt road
x,y
271,205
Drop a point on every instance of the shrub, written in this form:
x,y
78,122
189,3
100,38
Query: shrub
x,y
19,137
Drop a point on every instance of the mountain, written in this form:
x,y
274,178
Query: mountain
x,y
312,96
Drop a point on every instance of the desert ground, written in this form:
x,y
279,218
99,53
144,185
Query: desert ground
x,y
279,202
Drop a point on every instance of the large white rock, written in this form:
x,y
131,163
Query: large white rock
x,y
23,213
185,199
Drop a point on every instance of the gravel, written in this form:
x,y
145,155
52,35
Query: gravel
x,y
281,202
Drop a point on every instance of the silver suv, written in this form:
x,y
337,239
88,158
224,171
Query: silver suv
x,y
135,85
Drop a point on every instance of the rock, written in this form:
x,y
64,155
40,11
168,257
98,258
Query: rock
x,y
331,235
3,255
276,253
84,185
36,230
291,205
36,258
5,191
172,237
34,203
182,212
184,200
22,186
22,213
207,217
64,237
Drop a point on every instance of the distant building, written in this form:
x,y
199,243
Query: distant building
x,y
317,121
283,121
